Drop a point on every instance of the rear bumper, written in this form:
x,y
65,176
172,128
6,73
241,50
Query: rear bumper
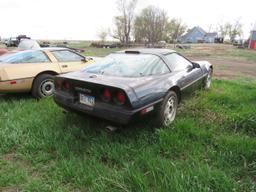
x,y
101,110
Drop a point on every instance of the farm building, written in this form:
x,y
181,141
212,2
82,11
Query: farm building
x,y
198,35
210,37
252,41
193,35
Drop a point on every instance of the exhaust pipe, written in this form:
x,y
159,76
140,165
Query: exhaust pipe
x,y
111,128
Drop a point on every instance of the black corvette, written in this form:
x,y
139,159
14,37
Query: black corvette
x,y
133,83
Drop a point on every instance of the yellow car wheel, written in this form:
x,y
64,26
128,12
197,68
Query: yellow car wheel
x,y
43,86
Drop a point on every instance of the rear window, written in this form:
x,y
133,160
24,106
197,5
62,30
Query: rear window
x,y
25,57
129,65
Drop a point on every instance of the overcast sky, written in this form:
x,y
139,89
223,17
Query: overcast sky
x,y
82,19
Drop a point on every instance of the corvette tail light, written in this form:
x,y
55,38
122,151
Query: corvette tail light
x,y
65,85
106,96
120,98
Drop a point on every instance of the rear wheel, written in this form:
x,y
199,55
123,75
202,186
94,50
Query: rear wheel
x,y
166,112
43,86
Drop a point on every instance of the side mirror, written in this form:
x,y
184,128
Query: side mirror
x,y
195,65
84,60
89,59
190,67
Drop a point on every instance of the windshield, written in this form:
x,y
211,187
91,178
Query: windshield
x,y
128,65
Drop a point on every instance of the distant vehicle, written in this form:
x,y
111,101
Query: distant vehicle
x,y
160,44
106,45
20,37
132,83
45,44
11,42
15,41
34,70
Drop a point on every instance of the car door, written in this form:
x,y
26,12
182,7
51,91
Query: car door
x,y
189,74
22,67
69,61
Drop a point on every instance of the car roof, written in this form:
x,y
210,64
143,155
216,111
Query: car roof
x,y
148,51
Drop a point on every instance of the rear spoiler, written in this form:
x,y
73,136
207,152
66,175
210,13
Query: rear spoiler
x,y
132,52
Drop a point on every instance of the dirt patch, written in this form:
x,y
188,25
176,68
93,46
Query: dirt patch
x,y
225,68
8,156
10,190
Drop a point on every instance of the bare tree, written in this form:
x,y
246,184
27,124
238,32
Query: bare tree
x,y
235,30
102,34
175,29
231,30
151,25
124,22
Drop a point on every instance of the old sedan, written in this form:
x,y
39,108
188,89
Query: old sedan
x,y
133,83
34,70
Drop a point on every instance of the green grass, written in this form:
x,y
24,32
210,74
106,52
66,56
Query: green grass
x,y
99,52
211,146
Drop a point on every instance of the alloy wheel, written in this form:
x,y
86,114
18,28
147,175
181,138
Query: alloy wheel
x,y
47,87
170,110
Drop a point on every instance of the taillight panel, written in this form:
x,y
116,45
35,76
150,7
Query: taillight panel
x,y
106,95
58,84
113,95
65,86
120,98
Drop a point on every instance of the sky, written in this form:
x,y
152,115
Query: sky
x,y
83,19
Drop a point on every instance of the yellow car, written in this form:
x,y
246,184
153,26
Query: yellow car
x,y
34,70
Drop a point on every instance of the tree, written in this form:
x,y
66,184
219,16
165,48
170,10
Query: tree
x,y
102,34
175,29
235,30
231,30
223,30
124,22
151,25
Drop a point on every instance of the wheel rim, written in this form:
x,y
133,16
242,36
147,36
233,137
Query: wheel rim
x,y
170,111
209,79
47,87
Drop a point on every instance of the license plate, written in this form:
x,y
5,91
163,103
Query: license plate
x,y
87,100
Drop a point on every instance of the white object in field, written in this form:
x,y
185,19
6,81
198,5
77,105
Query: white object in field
x,y
28,44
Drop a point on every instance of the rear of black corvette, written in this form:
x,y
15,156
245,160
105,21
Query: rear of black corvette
x,y
107,102
131,84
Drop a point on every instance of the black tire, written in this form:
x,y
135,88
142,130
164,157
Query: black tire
x,y
43,86
208,80
161,114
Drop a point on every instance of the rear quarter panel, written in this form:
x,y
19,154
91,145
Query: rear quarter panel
x,y
24,75
154,89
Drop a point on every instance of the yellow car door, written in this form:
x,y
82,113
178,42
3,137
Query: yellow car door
x,y
69,61
19,74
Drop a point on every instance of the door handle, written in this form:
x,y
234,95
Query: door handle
x,y
64,66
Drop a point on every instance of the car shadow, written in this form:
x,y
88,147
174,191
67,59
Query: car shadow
x,y
98,125
15,96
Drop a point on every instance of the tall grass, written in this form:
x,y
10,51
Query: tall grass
x,y
211,146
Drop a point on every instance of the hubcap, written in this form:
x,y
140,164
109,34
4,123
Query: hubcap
x,y
47,87
170,110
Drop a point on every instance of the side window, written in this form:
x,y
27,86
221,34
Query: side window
x,y
66,56
155,67
31,57
177,62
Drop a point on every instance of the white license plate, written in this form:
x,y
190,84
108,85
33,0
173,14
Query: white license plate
x,y
87,100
